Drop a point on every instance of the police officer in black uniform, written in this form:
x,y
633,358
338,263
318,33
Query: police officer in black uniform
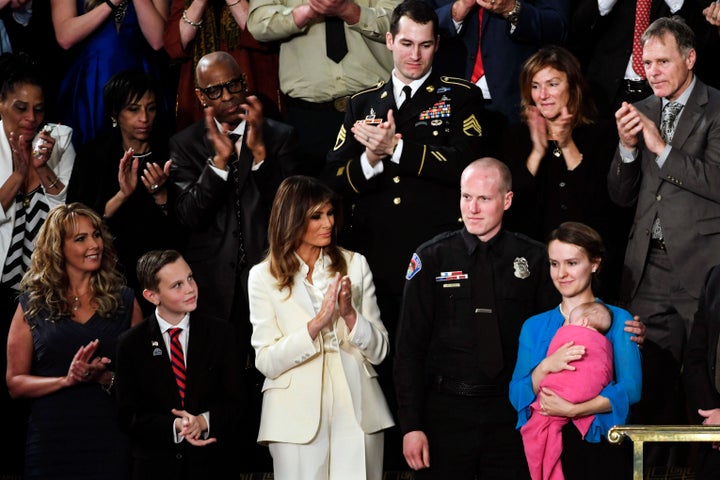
x,y
398,158
467,294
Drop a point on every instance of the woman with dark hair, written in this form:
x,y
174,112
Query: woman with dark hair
x,y
106,37
575,251
560,156
32,181
35,165
123,175
61,345
316,334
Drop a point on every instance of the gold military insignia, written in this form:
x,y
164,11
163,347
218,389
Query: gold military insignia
x,y
471,127
384,94
430,89
340,140
438,156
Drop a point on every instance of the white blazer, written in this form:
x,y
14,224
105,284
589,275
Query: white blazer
x,y
61,162
292,362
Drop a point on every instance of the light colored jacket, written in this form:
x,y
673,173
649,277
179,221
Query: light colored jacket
x,y
61,162
293,363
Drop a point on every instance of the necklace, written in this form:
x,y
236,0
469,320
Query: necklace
x,y
143,155
120,14
562,312
76,303
556,151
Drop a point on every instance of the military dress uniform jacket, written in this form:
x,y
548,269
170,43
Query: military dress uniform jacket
x,y
442,132
438,332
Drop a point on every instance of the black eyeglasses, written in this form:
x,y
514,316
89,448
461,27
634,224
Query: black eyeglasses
x,y
213,92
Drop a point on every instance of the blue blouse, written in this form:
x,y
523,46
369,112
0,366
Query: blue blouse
x,y
623,391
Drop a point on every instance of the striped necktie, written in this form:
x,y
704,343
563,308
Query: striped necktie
x,y
177,359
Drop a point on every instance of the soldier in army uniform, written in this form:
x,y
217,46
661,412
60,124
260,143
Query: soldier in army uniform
x,y
400,152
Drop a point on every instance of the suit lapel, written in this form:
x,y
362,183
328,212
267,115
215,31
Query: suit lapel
x,y
160,358
300,295
691,114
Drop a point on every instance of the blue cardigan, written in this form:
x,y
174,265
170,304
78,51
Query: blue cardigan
x,y
623,391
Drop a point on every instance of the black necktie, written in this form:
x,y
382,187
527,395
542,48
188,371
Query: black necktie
x,y
488,331
235,170
335,44
407,91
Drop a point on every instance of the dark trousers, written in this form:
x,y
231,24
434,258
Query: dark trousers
x,y
472,437
667,310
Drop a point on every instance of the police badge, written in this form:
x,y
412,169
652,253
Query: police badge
x,y
522,269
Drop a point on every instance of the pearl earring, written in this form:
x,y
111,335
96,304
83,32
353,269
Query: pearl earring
x,y
114,122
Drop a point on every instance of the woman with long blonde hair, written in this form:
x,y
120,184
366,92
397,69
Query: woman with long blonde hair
x,y
61,346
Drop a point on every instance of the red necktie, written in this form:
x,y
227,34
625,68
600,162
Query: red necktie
x,y
478,70
177,359
642,20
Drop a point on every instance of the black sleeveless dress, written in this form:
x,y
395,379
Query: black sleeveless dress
x,y
73,433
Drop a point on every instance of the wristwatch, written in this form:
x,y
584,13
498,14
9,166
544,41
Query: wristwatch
x,y
514,14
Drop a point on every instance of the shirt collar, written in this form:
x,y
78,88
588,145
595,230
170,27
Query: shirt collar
x,y
165,325
473,243
414,85
683,98
240,129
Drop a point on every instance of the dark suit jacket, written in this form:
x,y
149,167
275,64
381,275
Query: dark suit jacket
x,y
206,205
684,192
540,22
146,392
701,354
418,198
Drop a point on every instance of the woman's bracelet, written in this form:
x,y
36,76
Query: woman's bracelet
x,y
110,385
52,185
187,20
112,6
233,4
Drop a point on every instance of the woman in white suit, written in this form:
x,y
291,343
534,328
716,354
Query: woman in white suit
x,y
316,334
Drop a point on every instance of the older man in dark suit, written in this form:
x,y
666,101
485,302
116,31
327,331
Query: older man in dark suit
x,y
668,165
226,169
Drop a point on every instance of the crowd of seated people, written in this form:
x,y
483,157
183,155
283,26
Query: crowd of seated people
x,y
170,125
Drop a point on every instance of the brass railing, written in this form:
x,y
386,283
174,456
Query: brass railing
x,y
639,434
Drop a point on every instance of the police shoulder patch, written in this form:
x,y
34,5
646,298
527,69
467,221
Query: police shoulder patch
x,y
414,267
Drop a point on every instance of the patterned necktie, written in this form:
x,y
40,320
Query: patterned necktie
x,y
177,359
335,43
235,171
667,123
642,20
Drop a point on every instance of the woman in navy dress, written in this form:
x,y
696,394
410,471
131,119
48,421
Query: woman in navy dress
x,y
61,346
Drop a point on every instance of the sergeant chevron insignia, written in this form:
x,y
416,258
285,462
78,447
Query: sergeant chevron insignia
x,y
471,127
340,140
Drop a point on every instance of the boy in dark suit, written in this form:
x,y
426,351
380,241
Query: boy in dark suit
x,y
178,379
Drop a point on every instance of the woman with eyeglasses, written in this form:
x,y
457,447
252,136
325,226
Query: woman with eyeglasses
x,y
199,27
123,175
